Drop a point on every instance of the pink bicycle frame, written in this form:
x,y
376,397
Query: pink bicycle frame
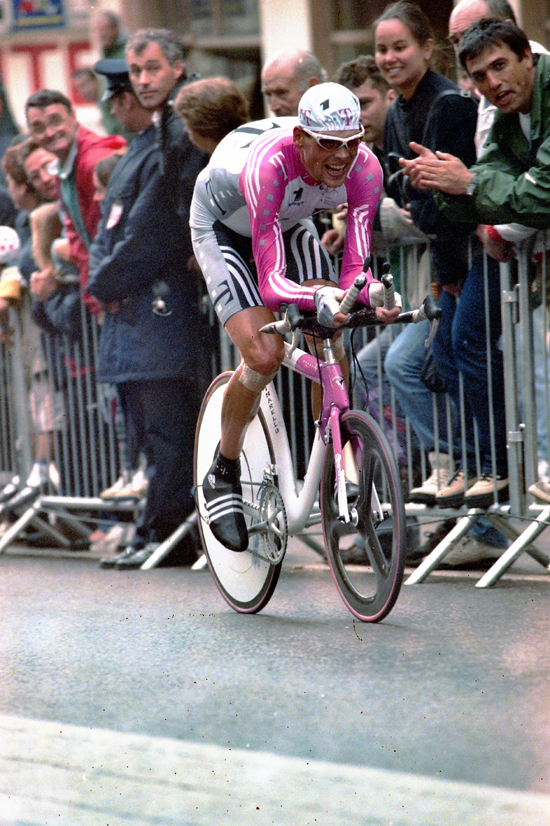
x,y
335,402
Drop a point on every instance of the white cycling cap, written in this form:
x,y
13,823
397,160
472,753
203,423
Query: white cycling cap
x,y
9,245
329,107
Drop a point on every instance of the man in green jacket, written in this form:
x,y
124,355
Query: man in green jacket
x,y
511,179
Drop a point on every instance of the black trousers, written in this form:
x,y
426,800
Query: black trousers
x,y
166,410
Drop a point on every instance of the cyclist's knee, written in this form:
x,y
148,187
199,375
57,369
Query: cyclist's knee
x,y
265,358
253,381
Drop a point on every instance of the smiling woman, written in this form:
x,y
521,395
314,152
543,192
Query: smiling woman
x,y
430,110
404,46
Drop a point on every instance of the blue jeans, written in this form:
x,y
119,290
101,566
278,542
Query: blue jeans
x,y
403,365
373,385
463,326
541,366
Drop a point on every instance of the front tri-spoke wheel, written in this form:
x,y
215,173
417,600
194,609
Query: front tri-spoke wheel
x,y
367,554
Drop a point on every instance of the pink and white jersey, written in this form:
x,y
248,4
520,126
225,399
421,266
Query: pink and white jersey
x,y
257,185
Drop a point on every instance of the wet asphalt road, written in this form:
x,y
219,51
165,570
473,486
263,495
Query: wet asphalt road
x,y
454,684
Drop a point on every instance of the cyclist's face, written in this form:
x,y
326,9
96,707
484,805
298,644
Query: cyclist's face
x,y
329,168
400,57
152,76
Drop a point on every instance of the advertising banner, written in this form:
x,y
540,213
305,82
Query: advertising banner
x,y
37,14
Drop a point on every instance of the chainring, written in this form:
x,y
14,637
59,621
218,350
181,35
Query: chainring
x,y
273,540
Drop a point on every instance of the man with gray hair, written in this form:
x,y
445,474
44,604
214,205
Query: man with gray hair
x,y
285,78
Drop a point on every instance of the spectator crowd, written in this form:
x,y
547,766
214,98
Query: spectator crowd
x,y
95,236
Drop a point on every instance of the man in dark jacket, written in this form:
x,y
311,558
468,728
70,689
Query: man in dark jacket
x,y
157,72
148,345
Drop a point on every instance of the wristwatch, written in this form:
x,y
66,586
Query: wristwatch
x,y
470,189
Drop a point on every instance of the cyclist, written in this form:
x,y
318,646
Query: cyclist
x,y
257,247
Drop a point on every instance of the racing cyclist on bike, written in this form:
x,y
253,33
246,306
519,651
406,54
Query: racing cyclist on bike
x,y
257,247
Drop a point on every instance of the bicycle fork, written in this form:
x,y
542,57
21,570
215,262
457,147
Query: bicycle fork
x,y
341,493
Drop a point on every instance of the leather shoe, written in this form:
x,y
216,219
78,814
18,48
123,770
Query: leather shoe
x,y
136,560
111,561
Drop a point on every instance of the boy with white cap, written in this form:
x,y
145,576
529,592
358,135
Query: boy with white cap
x,y
255,200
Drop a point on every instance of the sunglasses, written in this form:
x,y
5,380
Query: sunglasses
x,y
335,144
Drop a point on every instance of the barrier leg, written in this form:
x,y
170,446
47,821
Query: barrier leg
x,y
16,528
515,550
165,547
440,551
512,533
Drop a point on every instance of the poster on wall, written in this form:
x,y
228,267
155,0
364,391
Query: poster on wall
x,y
37,14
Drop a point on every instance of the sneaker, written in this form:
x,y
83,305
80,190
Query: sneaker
x,y
486,490
452,496
9,490
114,490
439,478
135,488
468,554
541,490
224,503
27,495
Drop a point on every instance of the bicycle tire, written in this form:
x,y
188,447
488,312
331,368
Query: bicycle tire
x,y
245,581
368,582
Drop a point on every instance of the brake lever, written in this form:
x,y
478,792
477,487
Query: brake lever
x,y
434,324
295,339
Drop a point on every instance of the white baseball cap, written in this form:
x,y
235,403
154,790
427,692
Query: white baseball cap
x,y
329,107
9,245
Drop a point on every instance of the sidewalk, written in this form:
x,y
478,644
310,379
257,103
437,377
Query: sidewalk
x,y
53,773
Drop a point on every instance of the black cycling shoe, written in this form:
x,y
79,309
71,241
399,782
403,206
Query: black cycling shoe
x,y
224,502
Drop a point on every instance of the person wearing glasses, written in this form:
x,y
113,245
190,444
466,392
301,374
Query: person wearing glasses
x,y
256,246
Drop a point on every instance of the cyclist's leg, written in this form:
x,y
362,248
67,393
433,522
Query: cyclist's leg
x,y
246,580
224,257
261,354
222,488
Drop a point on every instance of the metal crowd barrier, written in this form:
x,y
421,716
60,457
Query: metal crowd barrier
x,y
52,402
54,410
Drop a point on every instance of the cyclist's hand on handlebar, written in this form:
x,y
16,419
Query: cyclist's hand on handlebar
x,y
376,299
327,304
387,316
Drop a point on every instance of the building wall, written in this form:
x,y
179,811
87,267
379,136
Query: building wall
x,y
228,37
